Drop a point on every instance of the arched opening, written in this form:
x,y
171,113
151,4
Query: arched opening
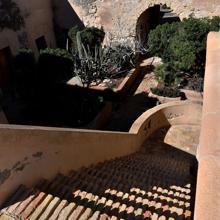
x,y
149,19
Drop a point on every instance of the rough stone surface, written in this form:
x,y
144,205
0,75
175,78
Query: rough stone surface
x,y
119,17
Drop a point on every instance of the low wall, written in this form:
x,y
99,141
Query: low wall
x,y
165,115
128,82
102,118
31,153
207,195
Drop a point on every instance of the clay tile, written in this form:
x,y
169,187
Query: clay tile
x,y
147,214
130,209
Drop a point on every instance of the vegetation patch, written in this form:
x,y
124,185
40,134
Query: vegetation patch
x,y
94,63
55,65
167,92
182,47
10,16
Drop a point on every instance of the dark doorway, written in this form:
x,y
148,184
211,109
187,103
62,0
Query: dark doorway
x,y
150,19
5,57
41,43
147,21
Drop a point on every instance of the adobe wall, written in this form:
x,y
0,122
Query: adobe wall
x,y
119,18
38,17
166,115
31,153
208,187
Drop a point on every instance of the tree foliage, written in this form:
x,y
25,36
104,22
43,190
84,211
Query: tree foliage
x,y
10,15
24,69
182,46
91,37
55,65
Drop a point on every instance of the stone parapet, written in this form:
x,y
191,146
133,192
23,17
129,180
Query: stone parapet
x,y
208,188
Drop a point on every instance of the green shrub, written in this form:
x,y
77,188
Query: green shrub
x,y
166,75
166,92
102,63
121,57
10,15
24,66
159,38
72,35
182,57
24,58
91,37
196,83
182,46
55,65
215,23
161,73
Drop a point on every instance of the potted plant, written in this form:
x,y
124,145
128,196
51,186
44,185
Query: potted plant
x,y
167,89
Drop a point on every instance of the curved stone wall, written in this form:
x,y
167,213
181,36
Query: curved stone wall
x,y
165,115
208,188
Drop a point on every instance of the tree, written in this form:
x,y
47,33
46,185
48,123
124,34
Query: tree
x,y
91,37
182,46
10,16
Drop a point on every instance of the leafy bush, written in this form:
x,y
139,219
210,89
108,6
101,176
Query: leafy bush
x,y
167,76
215,23
161,73
10,15
166,92
100,63
159,38
196,83
121,57
91,37
72,35
24,58
55,65
105,63
24,72
182,46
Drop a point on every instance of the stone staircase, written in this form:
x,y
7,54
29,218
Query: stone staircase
x,y
150,184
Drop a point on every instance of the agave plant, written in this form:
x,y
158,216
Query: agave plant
x,y
100,63
88,66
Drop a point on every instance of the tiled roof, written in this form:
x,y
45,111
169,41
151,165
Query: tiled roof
x,y
149,185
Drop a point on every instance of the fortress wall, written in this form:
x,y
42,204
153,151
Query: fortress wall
x,y
208,188
119,18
